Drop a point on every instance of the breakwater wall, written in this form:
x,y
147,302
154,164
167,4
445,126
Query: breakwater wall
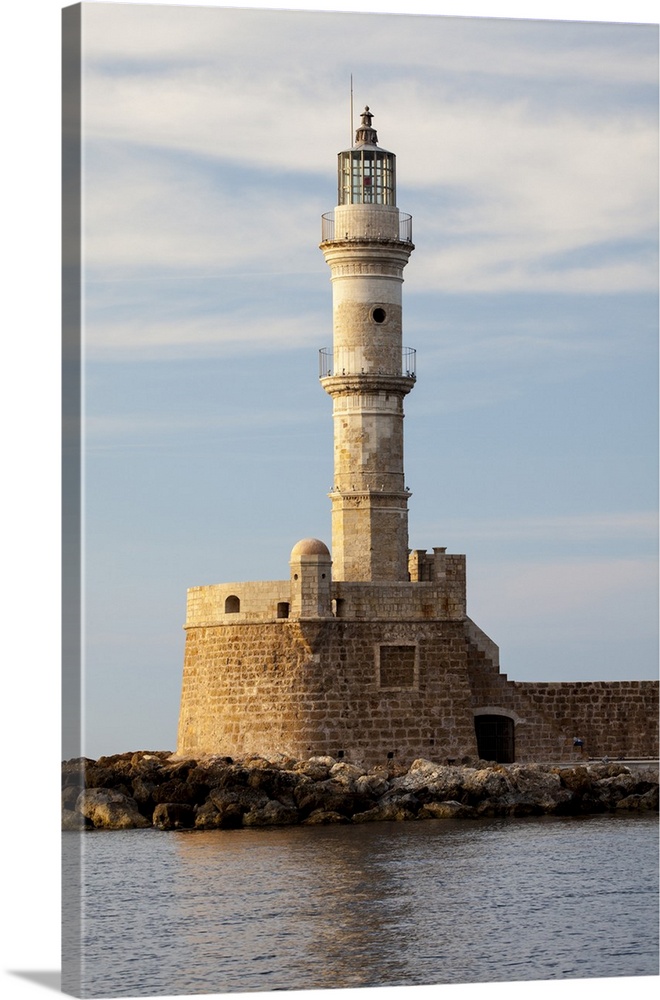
x,y
158,789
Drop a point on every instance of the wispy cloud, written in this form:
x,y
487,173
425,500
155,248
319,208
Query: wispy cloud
x,y
146,212
241,330
138,429
515,170
612,526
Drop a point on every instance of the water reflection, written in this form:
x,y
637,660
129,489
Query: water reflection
x,y
373,905
329,895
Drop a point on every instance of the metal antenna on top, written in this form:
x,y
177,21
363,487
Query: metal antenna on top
x,y
351,109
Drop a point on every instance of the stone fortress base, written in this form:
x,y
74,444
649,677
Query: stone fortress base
x,y
377,671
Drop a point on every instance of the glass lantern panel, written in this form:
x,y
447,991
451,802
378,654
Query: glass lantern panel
x,y
366,177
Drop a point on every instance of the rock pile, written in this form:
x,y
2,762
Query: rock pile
x,y
157,789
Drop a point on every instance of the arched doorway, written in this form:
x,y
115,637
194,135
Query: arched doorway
x,y
495,738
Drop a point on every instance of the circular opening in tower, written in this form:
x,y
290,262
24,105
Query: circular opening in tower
x,y
378,315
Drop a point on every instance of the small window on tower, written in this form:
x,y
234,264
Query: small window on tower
x,y
378,315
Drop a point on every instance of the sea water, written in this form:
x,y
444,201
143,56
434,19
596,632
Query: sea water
x,y
382,904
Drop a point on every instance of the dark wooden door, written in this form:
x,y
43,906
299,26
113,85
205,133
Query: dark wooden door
x,y
495,738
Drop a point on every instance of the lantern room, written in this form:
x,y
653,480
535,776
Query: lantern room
x,y
366,174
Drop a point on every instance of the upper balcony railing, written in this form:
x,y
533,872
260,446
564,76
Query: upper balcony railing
x,y
328,228
347,363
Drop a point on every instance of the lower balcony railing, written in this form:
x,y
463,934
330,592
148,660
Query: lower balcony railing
x,y
350,363
328,228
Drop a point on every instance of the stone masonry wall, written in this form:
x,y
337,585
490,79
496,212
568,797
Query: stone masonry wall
x,y
397,672
614,719
443,597
308,688
258,601
402,601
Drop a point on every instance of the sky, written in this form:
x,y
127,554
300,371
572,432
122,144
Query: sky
x,y
527,157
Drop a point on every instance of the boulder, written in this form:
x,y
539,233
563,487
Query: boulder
x,y
316,768
446,810
432,782
115,771
96,776
180,790
208,817
323,759
178,769
607,770
347,774
641,802
282,761
110,810
276,783
395,769
493,807
233,776
273,813
73,820
424,766
73,771
209,773
538,790
648,776
324,817
371,786
611,789
394,810
395,805
233,803
173,816
142,791
70,795
401,798
488,789
148,768
577,779
330,795
144,756
120,761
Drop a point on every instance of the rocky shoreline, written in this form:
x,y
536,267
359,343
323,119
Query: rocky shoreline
x,y
157,789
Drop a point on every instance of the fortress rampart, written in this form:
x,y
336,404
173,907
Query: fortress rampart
x,y
371,672
359,691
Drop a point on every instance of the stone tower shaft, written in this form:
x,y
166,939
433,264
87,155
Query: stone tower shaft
x,y
367,243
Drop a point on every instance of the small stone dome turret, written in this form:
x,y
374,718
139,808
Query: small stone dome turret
x,y
309,547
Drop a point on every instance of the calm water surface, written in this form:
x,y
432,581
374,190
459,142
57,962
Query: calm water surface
x,y
387,904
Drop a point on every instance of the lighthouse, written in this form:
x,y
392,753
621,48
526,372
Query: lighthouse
x,y
365,654
367,242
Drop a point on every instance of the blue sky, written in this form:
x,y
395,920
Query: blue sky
x,y
527,156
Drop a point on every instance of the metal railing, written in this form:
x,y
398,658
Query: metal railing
x,y
328,229
346,363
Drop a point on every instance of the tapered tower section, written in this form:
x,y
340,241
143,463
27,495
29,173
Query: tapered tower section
x,y
366,242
